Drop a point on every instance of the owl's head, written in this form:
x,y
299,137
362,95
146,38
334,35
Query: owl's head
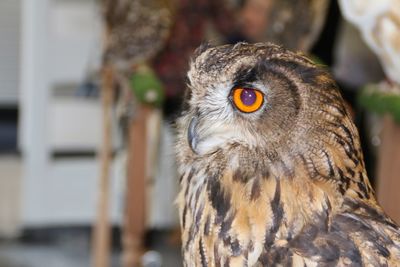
x,y
256,97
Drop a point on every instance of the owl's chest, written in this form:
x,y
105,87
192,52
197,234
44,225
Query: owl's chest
x,y
225,219
227,222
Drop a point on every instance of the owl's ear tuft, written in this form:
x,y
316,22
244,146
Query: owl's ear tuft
x,y
202,48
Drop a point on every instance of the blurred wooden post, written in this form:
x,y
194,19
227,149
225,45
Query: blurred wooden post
x,y
388,183
134,221
101,234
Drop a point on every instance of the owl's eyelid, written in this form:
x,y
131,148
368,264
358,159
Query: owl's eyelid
x,y
244,85
254,85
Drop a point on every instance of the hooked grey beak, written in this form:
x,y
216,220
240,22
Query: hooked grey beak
x,y
192,134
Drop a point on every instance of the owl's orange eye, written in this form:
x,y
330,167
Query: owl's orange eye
x,y
247,99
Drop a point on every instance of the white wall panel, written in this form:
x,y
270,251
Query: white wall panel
x,y
10,17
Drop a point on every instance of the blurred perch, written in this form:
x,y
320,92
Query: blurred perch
x,y
135,30
389,168
101,233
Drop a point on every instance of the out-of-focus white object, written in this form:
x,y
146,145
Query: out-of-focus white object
x,y
152,259
379,23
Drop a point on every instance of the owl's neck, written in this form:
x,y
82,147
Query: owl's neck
x,y
285,205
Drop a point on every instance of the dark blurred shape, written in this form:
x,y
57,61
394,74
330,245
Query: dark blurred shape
x,y
89,88
324,45
8,130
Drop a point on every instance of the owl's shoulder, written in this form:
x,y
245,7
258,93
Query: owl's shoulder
x,y
361,235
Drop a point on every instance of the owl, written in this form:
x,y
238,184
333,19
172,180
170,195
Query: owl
x,y
272,172
137,30
379,24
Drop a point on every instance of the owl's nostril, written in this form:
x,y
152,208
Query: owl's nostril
x,y
192,134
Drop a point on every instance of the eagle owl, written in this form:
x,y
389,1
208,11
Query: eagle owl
x,y
272,172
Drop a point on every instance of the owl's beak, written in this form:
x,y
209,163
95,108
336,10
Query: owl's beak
x,y
192,134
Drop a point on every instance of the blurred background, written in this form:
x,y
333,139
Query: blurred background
x,y
89,91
